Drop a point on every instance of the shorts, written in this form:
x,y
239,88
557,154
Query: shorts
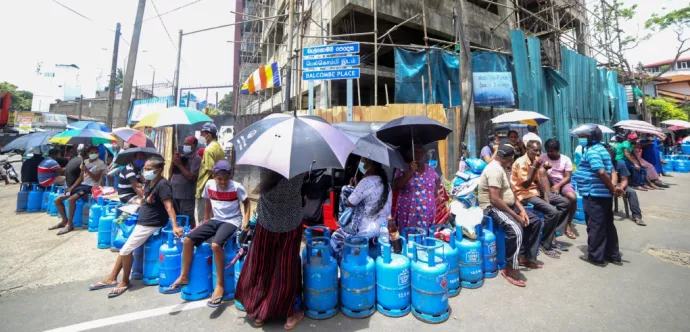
x,y
220,231
568,188
139,235
81,190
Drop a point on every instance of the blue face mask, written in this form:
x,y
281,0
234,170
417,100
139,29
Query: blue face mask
x,y
583,142
361,168
139,163
433,163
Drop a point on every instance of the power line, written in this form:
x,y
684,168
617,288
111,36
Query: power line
x,y
171,11
90,20
166,29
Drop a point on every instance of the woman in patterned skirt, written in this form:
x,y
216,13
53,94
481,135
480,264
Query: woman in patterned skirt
x,y
271,277
416,202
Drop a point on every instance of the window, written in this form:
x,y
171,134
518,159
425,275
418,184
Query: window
x,y
682,65
486,5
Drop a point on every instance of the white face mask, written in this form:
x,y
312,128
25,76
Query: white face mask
x,y
187,149
149,175
93,156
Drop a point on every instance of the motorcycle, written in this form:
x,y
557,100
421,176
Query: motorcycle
x,y
9,169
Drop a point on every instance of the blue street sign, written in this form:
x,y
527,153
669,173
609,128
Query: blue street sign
x,y
334,74
333,49
336,61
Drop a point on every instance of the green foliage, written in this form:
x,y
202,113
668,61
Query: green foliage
x,y
119,78
678,19
21,100
665,109
225,104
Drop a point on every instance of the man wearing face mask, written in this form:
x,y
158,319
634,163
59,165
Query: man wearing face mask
x,y
183,180
130,181
212,154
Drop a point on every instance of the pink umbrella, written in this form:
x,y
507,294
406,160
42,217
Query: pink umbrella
x,y
133,136
674,128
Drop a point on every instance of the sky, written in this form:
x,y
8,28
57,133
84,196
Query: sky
x,y
43,31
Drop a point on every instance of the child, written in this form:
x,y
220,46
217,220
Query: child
x,y
223,196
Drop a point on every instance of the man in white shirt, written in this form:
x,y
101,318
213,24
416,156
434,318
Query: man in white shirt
x,y
532,135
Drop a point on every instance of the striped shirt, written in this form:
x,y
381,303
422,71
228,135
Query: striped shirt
x,y
595,158
225,203
47,171
125,191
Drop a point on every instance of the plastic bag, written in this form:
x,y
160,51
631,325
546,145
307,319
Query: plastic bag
x,y
476,165
97,192
467,214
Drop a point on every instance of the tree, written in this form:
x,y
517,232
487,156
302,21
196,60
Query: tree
x,y
679,21
119,78
666,109
225,104
21,100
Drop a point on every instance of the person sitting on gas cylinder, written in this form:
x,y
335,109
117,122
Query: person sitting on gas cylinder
x,y
222,218
521,227
155,211
49,171
129,186
559,171
371,200
488,152
92,170
29,171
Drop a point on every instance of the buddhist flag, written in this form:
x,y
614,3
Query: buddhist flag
x,y
266,77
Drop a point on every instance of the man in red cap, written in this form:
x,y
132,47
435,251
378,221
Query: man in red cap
x,y
625,152
185,171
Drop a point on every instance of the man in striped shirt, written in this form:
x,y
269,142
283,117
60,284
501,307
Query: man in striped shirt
x,y
49,171
130,185
595,186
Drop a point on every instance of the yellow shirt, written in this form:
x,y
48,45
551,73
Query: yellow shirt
x,y
519,173
212,154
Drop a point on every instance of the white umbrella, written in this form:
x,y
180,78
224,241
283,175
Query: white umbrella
x,y
604,129
681,123
525,117
644,129
635,123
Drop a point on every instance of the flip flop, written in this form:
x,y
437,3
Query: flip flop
x,y
531,264
559,246
101,285
511,280
570,235
65,230
290,327
258,323
551,253
117,291
214,302
174,288
56,226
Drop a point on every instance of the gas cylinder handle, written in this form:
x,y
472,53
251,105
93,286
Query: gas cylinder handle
x,y
490,222
385,247
325,230
404,246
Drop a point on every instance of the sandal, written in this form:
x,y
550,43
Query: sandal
x,y
117,291
65,230
289,326
559,246
513,281
101,285
570,235
175,288
56,226
258,323
214,302
550,252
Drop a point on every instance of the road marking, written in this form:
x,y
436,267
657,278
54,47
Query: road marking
x,y
131,317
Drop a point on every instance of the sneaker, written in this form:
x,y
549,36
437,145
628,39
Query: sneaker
x,y
639,222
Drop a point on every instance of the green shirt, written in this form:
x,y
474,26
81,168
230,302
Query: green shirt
x,y
212,154
620,150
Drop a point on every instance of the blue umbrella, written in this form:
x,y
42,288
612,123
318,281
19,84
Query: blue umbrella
x,y
28,141
89,125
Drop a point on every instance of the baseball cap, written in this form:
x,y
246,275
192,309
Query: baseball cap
x,y
209,127
222,166
505,151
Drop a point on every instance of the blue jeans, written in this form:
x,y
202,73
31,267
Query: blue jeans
x,y
639,178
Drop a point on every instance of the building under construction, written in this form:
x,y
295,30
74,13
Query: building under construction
x,y
382,25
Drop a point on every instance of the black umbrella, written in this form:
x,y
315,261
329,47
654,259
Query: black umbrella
x,y
405,130
127,156
372,148
29,141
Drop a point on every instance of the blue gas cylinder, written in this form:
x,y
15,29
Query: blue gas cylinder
x,y
78,213
579,217
229,253
199,286
488,239
413,234
357,291
138,264
53,211
668,166
681,164
471,269
23,197
45,199
392,280
35,198
105,225
95,214
450,253
429,283
308,234
51,198
85,209
152,248
170,260
238,269
320,273
685,147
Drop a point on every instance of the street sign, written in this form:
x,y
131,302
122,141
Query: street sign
x,y
333,74
334,49
336,61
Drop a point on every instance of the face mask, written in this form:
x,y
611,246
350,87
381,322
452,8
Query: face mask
x,y
582,141
187,149
30,155
433,163
139,163
93,156
361,168
149,175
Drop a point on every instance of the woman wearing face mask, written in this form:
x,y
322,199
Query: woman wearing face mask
x,y
372,202
514,140
155,210
130,180
183,179
488,153
417,187
579,150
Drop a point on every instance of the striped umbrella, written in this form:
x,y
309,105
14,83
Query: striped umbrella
x,y
82,136
89,125
132,136
291,145
173,116
678,123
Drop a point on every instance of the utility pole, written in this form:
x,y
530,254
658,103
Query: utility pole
x,y
113,73
376,56
176,87
81,104
153,83
288,75
132,63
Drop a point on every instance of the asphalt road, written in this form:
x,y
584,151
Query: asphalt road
x,y
44,279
